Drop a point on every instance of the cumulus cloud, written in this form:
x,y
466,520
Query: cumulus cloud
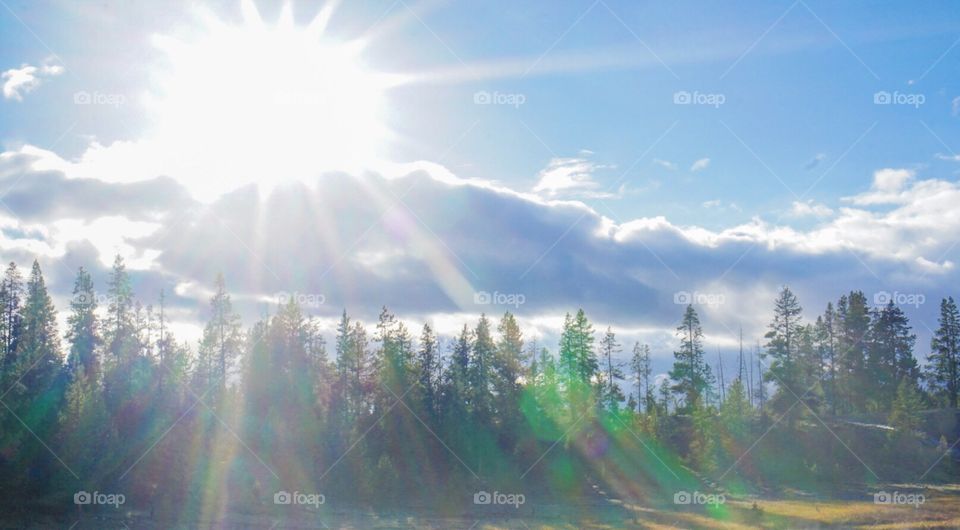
x,y
810,208
359,243
20,81
700,165
887,187
891,180
35,190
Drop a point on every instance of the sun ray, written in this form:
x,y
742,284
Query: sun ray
x,y
250,13
318,26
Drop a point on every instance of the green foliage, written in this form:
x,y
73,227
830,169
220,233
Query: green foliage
x,y
905,413
390,417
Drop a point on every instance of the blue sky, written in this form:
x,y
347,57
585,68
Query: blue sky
x,y
786,166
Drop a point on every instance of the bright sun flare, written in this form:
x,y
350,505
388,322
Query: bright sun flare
x,y
265,103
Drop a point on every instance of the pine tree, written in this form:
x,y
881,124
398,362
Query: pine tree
x,y
890,354
736,412
11,299
479,371
427,368
610,392
508,370
943,367
456,403
222,336
38,350
120,338
906,408
361,367
343,347
826,337
164,342
32,391
83,329
690,373
784,340
578,360
640,364
853,315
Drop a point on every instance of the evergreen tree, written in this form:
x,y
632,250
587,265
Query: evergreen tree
x,y
32,391
11,298
784,341
736,412
479,371
853,317
610,391
38,348
890,355
120,337
943,367
640,364
826,336
508,370
578,360
690,373
83,329
906,408
222,337
428,368
343,347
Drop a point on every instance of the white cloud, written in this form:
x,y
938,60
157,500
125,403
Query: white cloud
x,y
886,188
643,261
889,179
19,81
665,164
699,165
950,158
955,106
572,177
810,208
718,204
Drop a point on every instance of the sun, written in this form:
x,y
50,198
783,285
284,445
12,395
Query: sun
x,y
265,103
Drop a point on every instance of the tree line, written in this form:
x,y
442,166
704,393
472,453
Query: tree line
x,y
380,416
